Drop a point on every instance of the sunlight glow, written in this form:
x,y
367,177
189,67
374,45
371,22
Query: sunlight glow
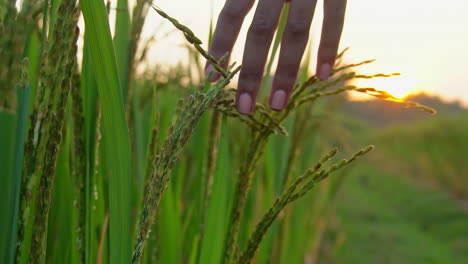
x,y
424,39
399,86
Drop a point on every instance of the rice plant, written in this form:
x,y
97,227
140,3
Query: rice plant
x,y
118,167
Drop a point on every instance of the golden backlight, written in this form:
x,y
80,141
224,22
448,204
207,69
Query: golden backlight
x,y
399,86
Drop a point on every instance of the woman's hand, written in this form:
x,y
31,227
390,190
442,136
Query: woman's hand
x,y
260,36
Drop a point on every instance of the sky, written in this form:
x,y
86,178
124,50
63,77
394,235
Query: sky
x,y
425,40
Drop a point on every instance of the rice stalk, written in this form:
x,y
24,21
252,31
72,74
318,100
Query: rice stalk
x,y
138,20
370,91
57,125
258,138
297,189
209,173
256,147
78,166
180,131
213,142
267,124
186,117
192,39
47,120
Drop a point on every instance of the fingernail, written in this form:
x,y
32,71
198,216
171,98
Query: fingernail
x,y
211,74
324,72
244,105
278,100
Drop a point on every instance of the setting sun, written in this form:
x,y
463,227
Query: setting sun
x,y
399,86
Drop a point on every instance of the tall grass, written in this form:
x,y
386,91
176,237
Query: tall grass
x,y
115,167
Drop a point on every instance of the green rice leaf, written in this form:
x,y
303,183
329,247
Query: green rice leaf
x,y
24,94
121,43
115,133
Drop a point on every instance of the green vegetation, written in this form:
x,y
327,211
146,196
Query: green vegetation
x,y
387,218
441,164
117,167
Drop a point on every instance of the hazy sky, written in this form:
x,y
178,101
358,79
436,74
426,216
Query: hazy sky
x,y
425,40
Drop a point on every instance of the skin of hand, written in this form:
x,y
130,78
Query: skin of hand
x,y
259,39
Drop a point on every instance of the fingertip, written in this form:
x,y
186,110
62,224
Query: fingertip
x,y
278,100
245,104
324,71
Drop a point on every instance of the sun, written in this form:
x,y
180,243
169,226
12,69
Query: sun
x,y
399,86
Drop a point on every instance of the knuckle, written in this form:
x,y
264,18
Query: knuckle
x,y
262,26
298,26
232,13
236,11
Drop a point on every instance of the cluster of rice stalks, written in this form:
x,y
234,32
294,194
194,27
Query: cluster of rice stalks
x,y
100,172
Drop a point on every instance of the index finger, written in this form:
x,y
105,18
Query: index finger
x,y
256,49
227,30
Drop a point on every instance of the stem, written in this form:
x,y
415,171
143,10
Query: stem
x,y
79,163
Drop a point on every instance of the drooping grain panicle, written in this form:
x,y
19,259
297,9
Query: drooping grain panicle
x,y
320,176
256,120
57,124
188,114
48,118
192,39
302,95
292,193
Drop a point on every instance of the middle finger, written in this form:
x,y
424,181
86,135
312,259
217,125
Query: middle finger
x,y
256,49
295,37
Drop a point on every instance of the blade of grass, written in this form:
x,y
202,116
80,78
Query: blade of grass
x,y
90,107
24,93
217,207
169,226
62,224
7,137
121,43
115,133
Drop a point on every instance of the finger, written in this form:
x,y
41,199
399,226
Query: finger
x,y
293,44
257,45
227,29
334,14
